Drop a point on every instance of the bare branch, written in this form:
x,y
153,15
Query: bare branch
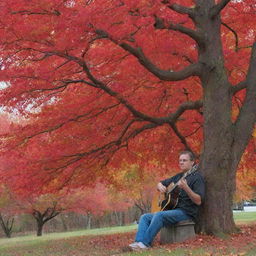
x,y
189,32
192,70
195,35
166,75
79,81
235,34
43,12
195,131
189,105
182,138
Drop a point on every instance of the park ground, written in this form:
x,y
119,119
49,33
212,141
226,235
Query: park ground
x,y
114,241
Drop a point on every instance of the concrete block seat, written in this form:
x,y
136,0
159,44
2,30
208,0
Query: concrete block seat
x,y
177,233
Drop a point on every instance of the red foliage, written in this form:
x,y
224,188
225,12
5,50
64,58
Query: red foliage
x,y
78,91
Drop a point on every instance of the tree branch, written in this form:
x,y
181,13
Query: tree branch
x,y
189,32
235,34
118,143
218,8
236,88
189,105
247,117
43,12
195,35
192,70
182,10
74,119
182,139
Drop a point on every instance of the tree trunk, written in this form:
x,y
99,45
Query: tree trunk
x,y
42,218
89,221
122,219
219,197
7,226
216,161
40,225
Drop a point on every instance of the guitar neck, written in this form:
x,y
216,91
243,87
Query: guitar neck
x,y
193,169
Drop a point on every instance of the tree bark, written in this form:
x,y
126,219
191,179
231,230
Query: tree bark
x,y
7,225
40,225
216,160
89,221
42,218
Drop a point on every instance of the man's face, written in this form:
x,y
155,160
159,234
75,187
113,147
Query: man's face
x,y
185,163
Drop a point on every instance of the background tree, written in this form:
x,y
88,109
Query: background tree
x,y
102,83
44,216
137,184
8,210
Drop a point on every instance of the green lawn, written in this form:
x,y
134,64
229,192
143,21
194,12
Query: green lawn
x,y
244,217
109,241
33,239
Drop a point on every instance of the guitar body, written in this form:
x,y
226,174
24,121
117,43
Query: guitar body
x,y
171,200
165,201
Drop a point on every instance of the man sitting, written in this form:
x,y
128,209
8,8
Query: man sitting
x,y
191,195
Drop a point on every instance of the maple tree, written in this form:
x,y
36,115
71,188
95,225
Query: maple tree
x,y
98,83
42,210
44,207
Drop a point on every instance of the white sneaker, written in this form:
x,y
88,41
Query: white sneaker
x,y
134,245
140,245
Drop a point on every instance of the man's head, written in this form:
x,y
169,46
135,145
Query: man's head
x,y
186,160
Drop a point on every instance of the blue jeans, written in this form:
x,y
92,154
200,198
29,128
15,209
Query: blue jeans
x,y
151,223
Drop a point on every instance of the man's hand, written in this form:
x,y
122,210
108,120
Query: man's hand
x,y
182,183
161,188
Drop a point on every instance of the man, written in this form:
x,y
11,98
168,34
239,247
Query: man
x,y
191,196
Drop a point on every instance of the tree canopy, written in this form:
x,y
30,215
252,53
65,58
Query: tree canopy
x,y
96,84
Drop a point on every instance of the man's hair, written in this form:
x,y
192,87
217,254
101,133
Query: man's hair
x,y
187,152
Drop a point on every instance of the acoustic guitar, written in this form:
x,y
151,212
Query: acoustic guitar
x,y
169,199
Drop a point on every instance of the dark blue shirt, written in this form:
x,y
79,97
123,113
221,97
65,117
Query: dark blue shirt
x,y
196,183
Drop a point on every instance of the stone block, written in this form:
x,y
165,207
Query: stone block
x,y
177,233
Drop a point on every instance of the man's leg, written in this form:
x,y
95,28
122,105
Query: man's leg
x,y
158,220
144,223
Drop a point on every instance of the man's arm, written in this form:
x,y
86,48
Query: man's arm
x,y
192,195
161,188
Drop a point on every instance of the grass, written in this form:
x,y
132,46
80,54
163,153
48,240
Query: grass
x,y
244,217
108,241
32,239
